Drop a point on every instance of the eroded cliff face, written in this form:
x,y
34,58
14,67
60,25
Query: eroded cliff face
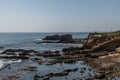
x,y
103,41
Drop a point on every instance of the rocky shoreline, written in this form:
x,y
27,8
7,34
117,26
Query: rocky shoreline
x,y
101,51
66,38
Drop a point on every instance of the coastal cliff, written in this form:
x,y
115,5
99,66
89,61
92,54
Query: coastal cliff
x,y
103,41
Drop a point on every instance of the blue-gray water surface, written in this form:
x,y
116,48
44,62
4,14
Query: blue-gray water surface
x,y
27,41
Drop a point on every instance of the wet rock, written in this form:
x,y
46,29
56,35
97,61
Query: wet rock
x,y
11,77
72,70
38,60
50,74
63,73
31,68
71,49
1,47
36,77
66,38
102,76
82,71
46,78
54,37
14,57
50,54
20,52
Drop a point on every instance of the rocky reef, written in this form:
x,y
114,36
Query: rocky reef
x,y
101,51
66,38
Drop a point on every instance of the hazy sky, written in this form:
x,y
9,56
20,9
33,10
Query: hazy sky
x,y
59,15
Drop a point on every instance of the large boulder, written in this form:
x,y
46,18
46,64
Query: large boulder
x,y
61,38
66,38
54,37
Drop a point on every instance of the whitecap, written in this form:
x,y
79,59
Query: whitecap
x,y
12,61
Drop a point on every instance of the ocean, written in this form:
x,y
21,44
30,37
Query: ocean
x,y
28,41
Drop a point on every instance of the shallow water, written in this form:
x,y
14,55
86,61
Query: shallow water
x,y
43,69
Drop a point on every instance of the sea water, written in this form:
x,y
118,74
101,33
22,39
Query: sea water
x,y
28,41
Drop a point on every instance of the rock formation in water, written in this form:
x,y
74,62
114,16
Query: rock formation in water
x,y
62,38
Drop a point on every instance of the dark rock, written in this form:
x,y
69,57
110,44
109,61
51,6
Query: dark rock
x,y
20,52
102,76
31,68
46,78
14,57
1,47
61,38
50,54
66,38
71,49
54,37
38,60
36,77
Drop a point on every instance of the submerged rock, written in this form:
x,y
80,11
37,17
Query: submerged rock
x,y
31,68
20,52
36,77
50,54
14,57
38,60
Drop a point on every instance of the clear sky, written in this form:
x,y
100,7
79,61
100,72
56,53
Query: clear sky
x,y
59,15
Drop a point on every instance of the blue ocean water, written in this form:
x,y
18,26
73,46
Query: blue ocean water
x,y
28,41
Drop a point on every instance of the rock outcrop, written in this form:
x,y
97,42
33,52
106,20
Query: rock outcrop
x,y
61,38
66,38
103,41
54,37
18,54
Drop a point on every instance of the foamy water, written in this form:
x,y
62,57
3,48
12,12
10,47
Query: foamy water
x,y
2,62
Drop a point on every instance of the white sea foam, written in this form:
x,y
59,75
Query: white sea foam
x,y
12,61
2,62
